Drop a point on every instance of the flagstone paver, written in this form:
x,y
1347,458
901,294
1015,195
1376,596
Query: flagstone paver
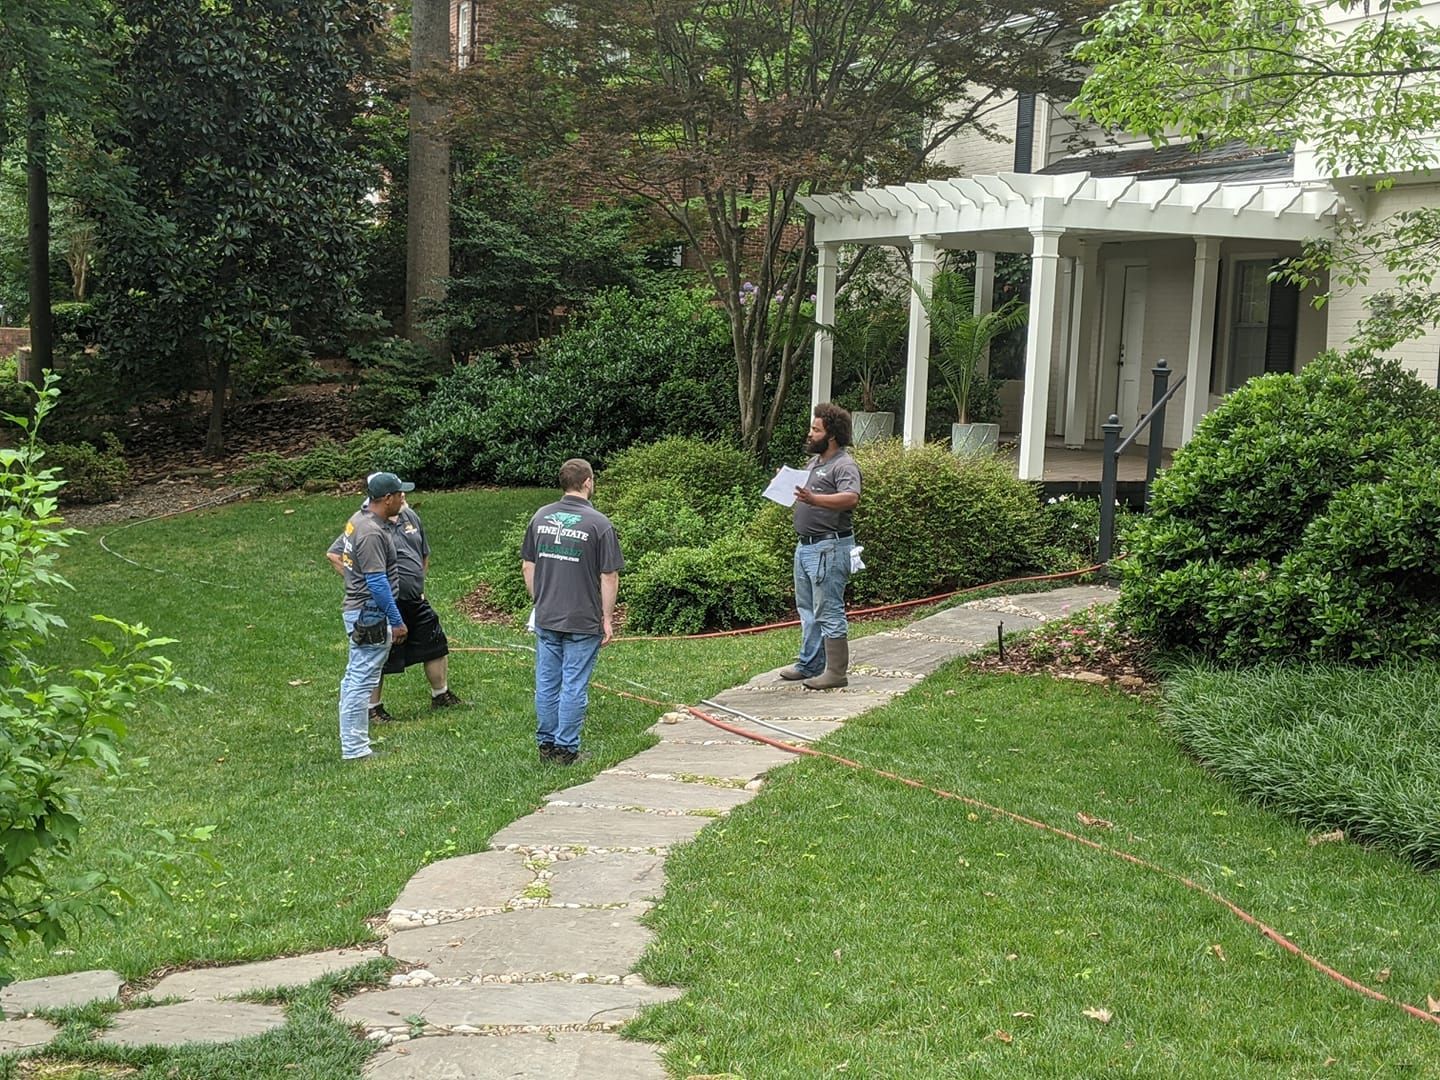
x,y
690,729
61,991
970,624
719,762
491,1005
191,1022
615,878
229,982
487,880
535,942
904,653
26,1033
581,1055
624,790
585,826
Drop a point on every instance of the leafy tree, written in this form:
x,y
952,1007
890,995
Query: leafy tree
x,y
521,259
721,113
231,206
1361,95
51,75
58,730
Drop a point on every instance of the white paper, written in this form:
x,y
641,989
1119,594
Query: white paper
x,y
782,488
855,564
530,621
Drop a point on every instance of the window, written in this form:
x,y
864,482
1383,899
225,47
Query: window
x,y
1263,318
465,35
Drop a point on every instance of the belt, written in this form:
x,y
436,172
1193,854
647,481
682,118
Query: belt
x,y
815,538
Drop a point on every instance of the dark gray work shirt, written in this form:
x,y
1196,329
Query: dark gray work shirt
x,y
840,473
411,551
571,544
367,546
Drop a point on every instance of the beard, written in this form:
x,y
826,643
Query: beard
x,y
817,445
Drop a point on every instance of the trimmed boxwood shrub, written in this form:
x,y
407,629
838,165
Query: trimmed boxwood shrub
x,y
91,474
708,476
1301,521
730,583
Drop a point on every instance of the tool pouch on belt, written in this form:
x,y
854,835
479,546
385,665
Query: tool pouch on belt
x,y
376,633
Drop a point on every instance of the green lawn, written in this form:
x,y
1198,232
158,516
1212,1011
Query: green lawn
x,y
842,924
311,847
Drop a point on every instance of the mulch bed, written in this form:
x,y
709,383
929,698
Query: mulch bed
x,y
1122,667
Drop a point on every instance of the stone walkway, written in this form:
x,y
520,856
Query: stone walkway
x,y
520,960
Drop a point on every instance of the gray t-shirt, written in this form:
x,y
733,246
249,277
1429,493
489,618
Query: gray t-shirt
x,y
411,551
840,473
571,544
367,546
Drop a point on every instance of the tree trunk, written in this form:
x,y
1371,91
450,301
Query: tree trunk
x,y
215,434
427,240
37,188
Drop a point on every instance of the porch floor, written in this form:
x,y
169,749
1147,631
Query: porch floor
x,y
1082,466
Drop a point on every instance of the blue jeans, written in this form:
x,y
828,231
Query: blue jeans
x,y
362,675
821,572
563,663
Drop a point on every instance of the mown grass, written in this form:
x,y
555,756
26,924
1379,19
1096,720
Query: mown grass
x,y
1330,746
842,924
309,846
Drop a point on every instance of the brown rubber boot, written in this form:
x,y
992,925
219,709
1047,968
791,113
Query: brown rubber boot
x,y
837,659
792,673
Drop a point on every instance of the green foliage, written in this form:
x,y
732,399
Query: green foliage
x,y
59,728
1072,532
931,522
90,474
326,465
705,474
631,368
1301,520
520,258
395,376
1331,746
230,202
498,569
731,582
75,318
15,399
960,338
869,336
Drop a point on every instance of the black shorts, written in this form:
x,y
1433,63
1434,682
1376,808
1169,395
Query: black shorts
x,y
425,641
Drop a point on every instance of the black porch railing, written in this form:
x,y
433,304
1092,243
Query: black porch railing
x,y
1114,447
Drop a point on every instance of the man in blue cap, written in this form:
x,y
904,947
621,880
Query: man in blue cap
x,y
372,617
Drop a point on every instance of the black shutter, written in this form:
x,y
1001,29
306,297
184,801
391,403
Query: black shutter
x,y
1280,328
1024,131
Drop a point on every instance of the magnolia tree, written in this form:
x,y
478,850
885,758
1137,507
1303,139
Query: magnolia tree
x,y
1356,88
720,114
61,731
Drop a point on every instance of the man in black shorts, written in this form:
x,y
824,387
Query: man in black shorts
x,y
426,643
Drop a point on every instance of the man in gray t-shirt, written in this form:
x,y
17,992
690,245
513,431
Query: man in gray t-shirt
x,y
571,560
426,643
824,537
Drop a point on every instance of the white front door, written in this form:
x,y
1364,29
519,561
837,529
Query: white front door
x,y
1130,348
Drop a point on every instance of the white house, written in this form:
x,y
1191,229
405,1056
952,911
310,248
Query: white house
x,y
1137,254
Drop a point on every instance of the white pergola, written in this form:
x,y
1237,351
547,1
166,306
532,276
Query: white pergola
x,y
1053,217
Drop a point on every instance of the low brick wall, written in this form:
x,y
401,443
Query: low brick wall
x,y
12,338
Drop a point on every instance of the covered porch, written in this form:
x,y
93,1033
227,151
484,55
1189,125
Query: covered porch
x,y
1075,228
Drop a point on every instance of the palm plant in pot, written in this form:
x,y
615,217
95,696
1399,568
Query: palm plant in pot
x,y
959,339
867,341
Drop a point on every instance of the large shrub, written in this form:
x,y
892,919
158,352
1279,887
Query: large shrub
x,y
91,474
632,368
1302,520
930,521
325,465
395,376
729,583
706,474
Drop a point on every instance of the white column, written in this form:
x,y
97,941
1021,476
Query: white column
x,y
820,377
1202,335
1039,345
923,252
1059,368
1082,358
984,296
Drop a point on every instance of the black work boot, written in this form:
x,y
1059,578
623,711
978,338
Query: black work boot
x,y
837,659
